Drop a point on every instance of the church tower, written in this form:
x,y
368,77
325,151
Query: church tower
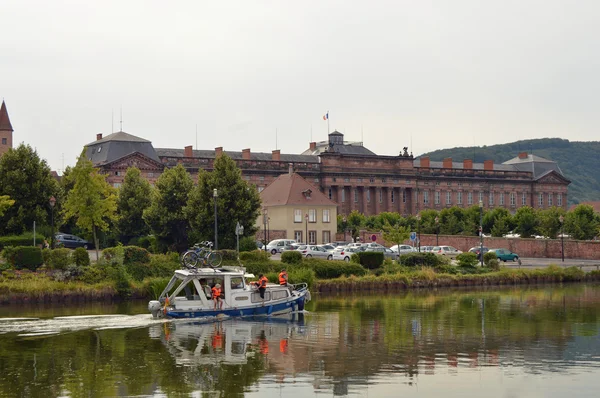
x,y
6,130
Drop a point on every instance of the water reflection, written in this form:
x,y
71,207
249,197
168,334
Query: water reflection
x,y
379,345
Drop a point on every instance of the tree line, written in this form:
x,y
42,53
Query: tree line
x,y
176,212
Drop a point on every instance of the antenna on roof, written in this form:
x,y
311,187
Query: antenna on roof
x,y
275,138
121,128
311,133
196,136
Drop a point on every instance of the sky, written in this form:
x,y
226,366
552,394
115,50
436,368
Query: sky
x,y
261,74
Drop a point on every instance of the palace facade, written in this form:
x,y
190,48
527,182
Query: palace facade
x,y
354,177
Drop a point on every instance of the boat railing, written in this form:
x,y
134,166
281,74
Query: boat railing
x,y
299,286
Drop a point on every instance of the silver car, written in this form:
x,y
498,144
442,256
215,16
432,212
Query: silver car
x,y
343,253
387,253
309,251
403,249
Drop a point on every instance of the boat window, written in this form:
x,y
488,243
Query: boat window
x,y
237,283
279,294
241,298
256,297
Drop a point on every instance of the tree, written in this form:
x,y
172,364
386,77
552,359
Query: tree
x,y
581,223
92,201
549,221
5,203
165,216
26,179
134,198
236,202
490,218
395,233
526,221
355,221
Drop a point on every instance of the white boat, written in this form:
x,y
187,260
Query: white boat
x,y
187,295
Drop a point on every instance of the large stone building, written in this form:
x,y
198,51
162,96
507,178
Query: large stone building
x,y
6,130
356,178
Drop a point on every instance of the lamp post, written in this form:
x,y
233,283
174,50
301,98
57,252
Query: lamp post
x,y
52,203
437,230
239,230
265,226
306,223
419,232
215,196
562,238
345,228
481,232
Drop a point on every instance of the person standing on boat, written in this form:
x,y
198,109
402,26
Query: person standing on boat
x,y
262,285
283,277
216,296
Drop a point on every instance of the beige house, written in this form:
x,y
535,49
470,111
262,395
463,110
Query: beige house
x,y
295,209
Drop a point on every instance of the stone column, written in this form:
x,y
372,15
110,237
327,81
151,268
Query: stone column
x,y
365,205
378,206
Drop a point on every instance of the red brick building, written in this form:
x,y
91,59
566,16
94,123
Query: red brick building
x,y
356,178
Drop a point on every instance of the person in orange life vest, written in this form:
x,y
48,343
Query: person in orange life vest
x,y
262,285
263,344
283,346
216,296
283,278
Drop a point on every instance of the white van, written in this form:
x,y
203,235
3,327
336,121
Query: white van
x,y
276,245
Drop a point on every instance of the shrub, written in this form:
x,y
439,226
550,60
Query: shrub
x,y
446,269
163,265
134,254
28,257
94,274
301,275
247,244
258,268
138,271
325,269
489,256
291,257
60,259
113,254
354,258
8,253
371,260
46,254
81,257
467,259
228,255
493,263
255,256
25,239
420,260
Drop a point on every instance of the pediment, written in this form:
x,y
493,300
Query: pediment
x,y
552,177
135,159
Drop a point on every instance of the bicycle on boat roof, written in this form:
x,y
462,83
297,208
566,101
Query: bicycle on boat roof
x,y
201,253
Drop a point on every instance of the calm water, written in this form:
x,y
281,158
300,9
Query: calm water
x,y
539,342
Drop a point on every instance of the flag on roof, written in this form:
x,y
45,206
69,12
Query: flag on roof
x,y
326,116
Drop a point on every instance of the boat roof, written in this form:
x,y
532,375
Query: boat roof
x,y
208,272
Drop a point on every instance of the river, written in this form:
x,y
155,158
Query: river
x,y
518,342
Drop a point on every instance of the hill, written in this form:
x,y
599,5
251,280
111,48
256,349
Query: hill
x,y
579,161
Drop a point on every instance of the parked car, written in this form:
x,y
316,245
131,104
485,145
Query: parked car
x,y
309,251
329,248
276,245
343,253
403,249
71,241
447,251
293,246
424,249
387,253
259,245
477,249
506,255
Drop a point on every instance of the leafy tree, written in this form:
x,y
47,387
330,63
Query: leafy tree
x,y
391,218
134,198
428,224
549,221
5,203
355,221
500,227
451,221
526,221
395,233
92,201
490,218
581,223
472,218
165,216
26,179
236,202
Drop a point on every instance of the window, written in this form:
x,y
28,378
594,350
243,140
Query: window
x,y
381,196
459,198
312,215
346,179
150,174
4,141
247,178
460,184
343,194
355,195
426,197
371,179
549,200
260,189
437,183
481,196
541,199
559,199
117,185
491,199
470,198
368,195
449,183
297,215
502,199
392,196
403,196
261,178
326,216
383,180
524,199
448,197
316,180
334,179
329,194
437,197
255,298
298,236
513,199
359,180
326,236
312,237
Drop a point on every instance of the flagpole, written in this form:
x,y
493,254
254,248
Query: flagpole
x,y
327,122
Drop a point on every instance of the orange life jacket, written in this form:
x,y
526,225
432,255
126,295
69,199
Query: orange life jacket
x,y
216,292
283,276
262,282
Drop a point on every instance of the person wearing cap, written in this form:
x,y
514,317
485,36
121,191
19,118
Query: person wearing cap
x,y
216,296
283,277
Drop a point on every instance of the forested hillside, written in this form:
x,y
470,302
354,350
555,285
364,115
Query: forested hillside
x,y
579,161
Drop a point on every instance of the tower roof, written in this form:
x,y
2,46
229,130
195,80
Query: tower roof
x,y
4,120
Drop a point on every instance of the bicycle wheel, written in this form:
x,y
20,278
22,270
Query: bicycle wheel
x,y
214,259
189,260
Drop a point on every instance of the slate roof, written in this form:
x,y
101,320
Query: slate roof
x,y
349,148
117,145
533,163
288,189
235,155
459,165
4,119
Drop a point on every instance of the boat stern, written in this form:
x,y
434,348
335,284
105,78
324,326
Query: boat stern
x,y
155,308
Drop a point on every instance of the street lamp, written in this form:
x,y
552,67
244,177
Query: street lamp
x,y
306,223
345,229
52,203
562,238
419,231
265,226
481,232
215,196
437,230
239,230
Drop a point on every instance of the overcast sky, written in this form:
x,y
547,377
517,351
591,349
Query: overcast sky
x,y
439,73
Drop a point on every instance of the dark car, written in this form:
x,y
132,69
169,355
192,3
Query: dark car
x,y
71,241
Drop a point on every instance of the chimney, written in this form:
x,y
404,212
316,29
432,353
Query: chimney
x,y
313,146
246,154
447,164
98,136
424,161
523,155
291,169
218,151
467,164
276,154
488,165
187,152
